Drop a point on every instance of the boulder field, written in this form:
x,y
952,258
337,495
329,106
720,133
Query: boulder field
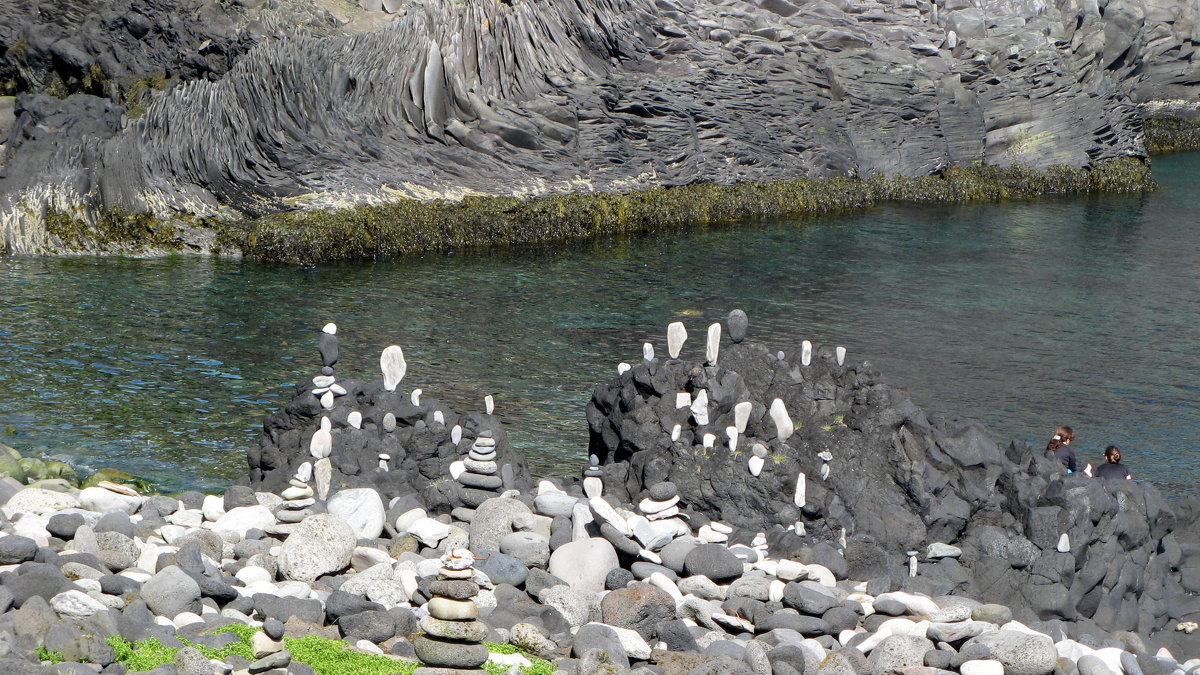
x,y
148,123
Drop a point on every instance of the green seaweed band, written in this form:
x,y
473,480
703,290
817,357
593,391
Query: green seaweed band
x,y
405,227
1171,134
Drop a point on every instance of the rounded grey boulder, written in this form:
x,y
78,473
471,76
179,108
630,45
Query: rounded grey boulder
x,y
171,592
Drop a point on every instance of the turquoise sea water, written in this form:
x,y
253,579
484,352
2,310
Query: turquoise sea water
x,y
1079,311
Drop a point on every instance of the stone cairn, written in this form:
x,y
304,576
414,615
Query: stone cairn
x,y
593,478
297,497
661,521
454,635
480,476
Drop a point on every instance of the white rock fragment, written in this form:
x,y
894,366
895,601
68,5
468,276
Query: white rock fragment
x,y
841,356
741,415
683,400
709,440
439,417
647,352
731,433
355,419
1064,543
322,440
675,432
414,396
489,404
623,368
805,353
393,365
756,465
676,335
713,345
801,490
783,423
329,328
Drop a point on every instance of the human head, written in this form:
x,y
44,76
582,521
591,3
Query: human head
x,y
1062,436
1112,454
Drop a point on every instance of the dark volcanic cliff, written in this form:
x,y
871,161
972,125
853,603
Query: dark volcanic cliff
x,y
550,96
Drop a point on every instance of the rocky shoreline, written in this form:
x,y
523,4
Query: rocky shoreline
x,y
136,130
745,510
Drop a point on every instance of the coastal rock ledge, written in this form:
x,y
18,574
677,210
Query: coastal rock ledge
x,y
745,511
135,129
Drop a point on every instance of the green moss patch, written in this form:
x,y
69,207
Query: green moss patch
x,y
1171,134
409,226
114,229
150,653
334,657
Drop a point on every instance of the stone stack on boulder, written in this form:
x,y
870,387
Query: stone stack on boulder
x,y
454,635
660,521
298,498
372,434
481,475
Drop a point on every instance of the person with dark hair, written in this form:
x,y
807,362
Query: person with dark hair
x,y
1060,447
1112,467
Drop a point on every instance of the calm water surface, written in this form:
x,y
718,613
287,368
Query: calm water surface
x,y
1077,311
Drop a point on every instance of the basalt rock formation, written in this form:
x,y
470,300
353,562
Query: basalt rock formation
x,y
550,96
883,481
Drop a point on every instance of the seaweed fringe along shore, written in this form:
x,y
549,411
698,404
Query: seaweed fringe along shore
x,y
372,232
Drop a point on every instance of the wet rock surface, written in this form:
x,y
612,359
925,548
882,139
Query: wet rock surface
x,y
553,96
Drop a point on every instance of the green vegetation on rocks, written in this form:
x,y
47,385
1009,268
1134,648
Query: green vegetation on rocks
x,y
1171,134
113,230
410,226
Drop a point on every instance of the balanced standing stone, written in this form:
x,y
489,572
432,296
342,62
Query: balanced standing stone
x,y
732,434
841,356
593,483
783,423
454,635
700,408
738,322
329,345
489,404
647,352
805,353
801,491
393,365
322,440
741,415
389,422
713,345
355,419
623,368
415,396
676,336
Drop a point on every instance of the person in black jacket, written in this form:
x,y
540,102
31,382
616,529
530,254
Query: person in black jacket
x,y
1112,467
1060,447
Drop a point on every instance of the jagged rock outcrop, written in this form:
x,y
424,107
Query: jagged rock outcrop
x,y
613,95
882,481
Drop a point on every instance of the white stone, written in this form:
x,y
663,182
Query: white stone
x,y
186,619
663,582
825,456
323,476
323,381
489,404
672,512
393,366
254,574
775,590
581,517
783,423
76,604
650,506
939,550
337,389
101,500
429,531
709,440
406,519
635,646
593,486
241,519
651,556
305,472
805,353
656,534
801,491
647,352
327,400
756,465
721,527
700,408
189,518
361,508
741,415
321,444
683,399
731,434
355,419
295,492
584,564
457,468
981,667
1064,543
414,396
710,536
623,368
912,565
841,356
916,604
456,434
713,345
213,507
40,501
676,336
676,432
824,472
511,660
439,417
330,328
604,511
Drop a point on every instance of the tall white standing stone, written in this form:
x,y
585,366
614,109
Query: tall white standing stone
x,y
709,440
489,404
824,472
801,491
676,431
732,434
439,417
322,441
676,335
415,396
841,356
456,434
783,424
327,400
713,345
647,352
393,365
805,353
700,408
741,415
